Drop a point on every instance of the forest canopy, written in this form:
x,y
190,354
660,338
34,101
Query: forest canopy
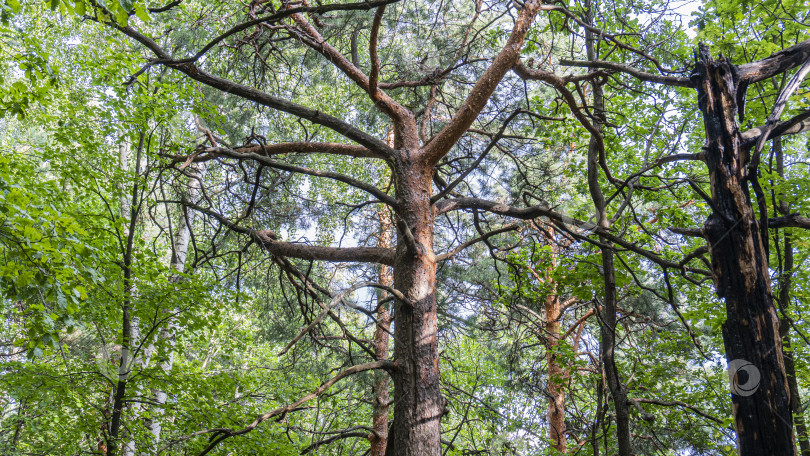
x,y
404,227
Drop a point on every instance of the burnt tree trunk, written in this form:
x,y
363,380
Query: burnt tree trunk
x,y
419,403
762,413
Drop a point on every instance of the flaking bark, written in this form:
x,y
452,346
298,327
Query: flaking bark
x,y
763,419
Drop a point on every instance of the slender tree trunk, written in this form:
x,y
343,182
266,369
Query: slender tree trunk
x,y
129,204
607,318
790,366
382,397
18,427
419,402
557,373
167,334
761,399
785,283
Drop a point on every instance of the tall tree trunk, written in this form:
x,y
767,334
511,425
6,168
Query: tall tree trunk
x,y
785,283
419,402
180,244
784,332
761,400
607,317
382,397
129,204
557,373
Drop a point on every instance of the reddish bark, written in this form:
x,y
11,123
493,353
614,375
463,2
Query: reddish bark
x,y
419,403
557,372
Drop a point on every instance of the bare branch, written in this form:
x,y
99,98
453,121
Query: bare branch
x,y
676,404
483,237
492,143
638,74
267,240
284,14
222,434
478,97
257,96
328,440
528,213
335,300
370,189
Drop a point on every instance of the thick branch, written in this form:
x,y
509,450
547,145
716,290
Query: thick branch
x,y
257,96
349,150
267,240
789,221
797,124
401,116
268,150
689,232
528,213
333,254
374,57
775,64
440,144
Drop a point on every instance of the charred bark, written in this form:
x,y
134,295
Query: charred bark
x,y
762,413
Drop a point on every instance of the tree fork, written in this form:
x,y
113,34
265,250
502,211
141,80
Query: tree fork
x,y
739,260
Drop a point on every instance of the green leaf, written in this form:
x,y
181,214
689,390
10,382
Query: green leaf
x,y
140,11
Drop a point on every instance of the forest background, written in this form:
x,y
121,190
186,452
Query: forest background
x,y
404,227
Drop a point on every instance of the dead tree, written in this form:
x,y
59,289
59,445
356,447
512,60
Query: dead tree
x,y
737,233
